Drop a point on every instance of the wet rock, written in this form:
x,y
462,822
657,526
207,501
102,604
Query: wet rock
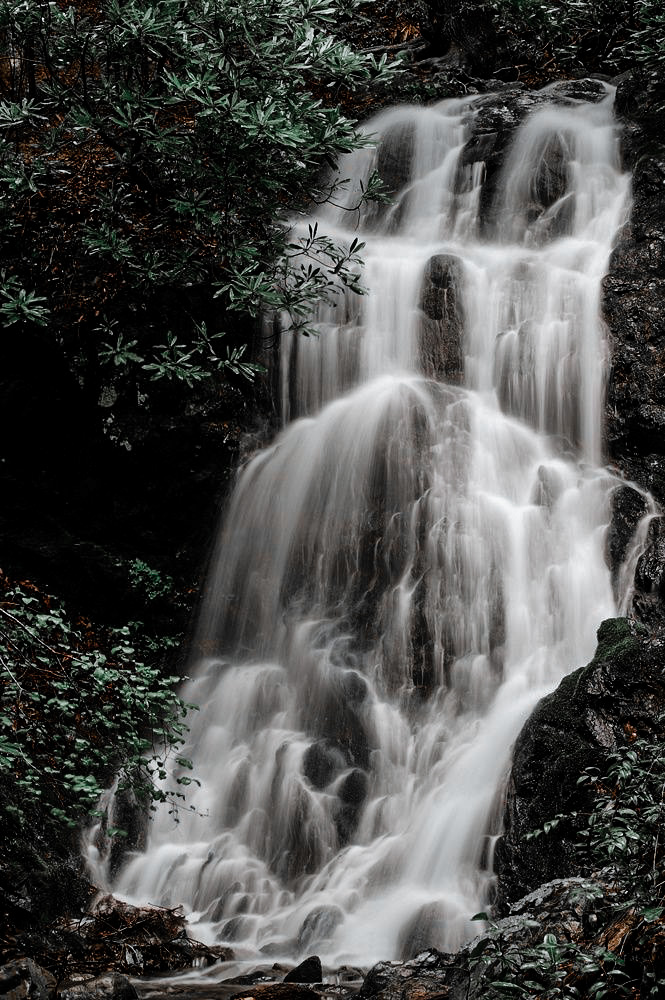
x,y
627,508
23,979
276,991
566,908
130,815
40,882
348,975
354,686
110,987
572,729
394,156
648,603
320,762
442,325
634,295
254,977
234,929
650,571
423,978
353,789
424,930
273,949
571,91
497,116
563,906
352,793
318,926
309,971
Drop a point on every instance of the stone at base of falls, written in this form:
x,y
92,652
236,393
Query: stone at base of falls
x,y
422,931
309,971
110,987
23,979
276,991
591,713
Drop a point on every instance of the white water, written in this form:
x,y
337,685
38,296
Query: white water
x,y
411,565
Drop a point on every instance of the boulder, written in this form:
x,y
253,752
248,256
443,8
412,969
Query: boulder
x,y
425,930
23,979
276,991
309,971
318,926
421,978
110,987
320,762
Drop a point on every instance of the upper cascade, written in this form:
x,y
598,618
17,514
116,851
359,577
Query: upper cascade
x,y
419,555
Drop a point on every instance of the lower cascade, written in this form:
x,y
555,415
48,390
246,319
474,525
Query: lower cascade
x,y
419,555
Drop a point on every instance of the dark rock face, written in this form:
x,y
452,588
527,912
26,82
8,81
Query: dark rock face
x,y
309,971
570,730
634,297
441,328
648,604
628,507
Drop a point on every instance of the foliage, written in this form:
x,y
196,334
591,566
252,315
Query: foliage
x,y
625,826
622,840
78,705
155,152
550,969
623,831
148,581
590,35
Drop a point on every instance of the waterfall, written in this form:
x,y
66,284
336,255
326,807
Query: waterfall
x,y
416,559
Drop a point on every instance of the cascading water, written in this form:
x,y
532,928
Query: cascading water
x,y
417,558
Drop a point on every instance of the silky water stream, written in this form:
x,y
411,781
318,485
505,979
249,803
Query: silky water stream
x,y
416,559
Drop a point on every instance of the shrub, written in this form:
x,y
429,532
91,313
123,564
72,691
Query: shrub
x,y
78,705
155,151
587,35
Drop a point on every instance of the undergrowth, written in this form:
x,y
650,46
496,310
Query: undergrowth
x,y
78,705
622,845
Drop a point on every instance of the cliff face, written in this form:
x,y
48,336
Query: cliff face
x,y
634,297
